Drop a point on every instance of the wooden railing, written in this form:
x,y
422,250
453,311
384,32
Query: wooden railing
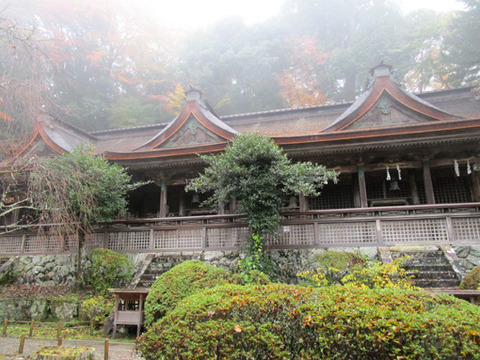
x,y
375,226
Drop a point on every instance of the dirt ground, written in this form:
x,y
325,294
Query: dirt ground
x,y
117,351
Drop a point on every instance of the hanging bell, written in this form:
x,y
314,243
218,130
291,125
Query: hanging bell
x,y
394,185
195,198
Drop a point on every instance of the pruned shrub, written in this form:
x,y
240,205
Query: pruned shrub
x,y
379,275
291,322
179,282
97,309
471,281
106,269
333,266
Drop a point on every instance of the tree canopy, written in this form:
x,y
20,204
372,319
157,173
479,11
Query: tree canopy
x,y
79,189
107,64
255,172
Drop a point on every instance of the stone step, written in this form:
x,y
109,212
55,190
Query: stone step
x,y
431,267
432,275
431,283
417,254
426,261
145,283
149,276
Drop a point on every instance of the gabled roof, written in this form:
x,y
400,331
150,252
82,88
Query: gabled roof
x,y
196,129
385,104
58,137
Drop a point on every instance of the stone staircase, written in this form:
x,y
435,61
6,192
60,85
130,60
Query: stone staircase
x,y
429,266
160,264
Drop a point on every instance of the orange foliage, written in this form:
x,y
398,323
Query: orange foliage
x,y
300,81
174,101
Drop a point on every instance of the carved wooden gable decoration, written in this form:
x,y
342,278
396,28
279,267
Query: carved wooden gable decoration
x,y
386,105
192,132
197,125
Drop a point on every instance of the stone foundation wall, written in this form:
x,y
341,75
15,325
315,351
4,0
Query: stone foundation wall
x,y
38,309
469,256
60,270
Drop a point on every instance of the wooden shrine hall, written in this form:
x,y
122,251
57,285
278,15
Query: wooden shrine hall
x,y
409,171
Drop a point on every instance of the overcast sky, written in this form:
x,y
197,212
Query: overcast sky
x,y
186,13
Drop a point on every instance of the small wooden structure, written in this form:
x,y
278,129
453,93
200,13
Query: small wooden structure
x,y
129,307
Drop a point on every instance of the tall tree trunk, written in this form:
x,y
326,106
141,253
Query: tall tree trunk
x,y
79,275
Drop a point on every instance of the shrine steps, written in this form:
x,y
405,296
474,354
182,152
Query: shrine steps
x,y
430,267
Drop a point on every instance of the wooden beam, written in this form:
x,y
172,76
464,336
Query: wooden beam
x,y
181,202
475,186
163,199
413,188
362,187
427,180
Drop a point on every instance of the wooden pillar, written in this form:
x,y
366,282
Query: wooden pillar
x,y
140,315
356,193
163,199
413,188
475,186
302,202
221,209
233,205
181,203
362,187
427,180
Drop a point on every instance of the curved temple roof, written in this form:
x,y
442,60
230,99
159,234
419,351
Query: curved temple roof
x,y
382,112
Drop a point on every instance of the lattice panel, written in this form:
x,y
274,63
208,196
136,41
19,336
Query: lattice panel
x,y
95,241
332,197
293,235
414,231
452,189
347,233
11,244
135,240
178,239
43,244
466,229
227,237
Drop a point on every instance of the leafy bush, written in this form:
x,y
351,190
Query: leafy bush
x,y
334,265
471,280
8,277
106,270
257,260
97,308
291,322
249,277
179,282
62,352
375,274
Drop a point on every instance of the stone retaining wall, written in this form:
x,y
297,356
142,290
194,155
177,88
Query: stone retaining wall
x,y
469,256
59,270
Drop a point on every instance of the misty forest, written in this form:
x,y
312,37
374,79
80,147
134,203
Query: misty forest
x,y
100,65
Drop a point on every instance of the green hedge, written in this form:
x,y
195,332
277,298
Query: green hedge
x,y
290,322
179,282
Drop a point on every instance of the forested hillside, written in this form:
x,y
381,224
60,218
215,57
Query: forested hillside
x,y
109,64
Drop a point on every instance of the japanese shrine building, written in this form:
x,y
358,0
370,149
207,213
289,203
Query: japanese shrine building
x,y
409,169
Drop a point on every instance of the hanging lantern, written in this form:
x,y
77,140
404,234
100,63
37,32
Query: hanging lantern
x,y
388,174
469,168
399,172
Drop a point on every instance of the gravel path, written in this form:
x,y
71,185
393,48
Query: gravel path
x,y
117,351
